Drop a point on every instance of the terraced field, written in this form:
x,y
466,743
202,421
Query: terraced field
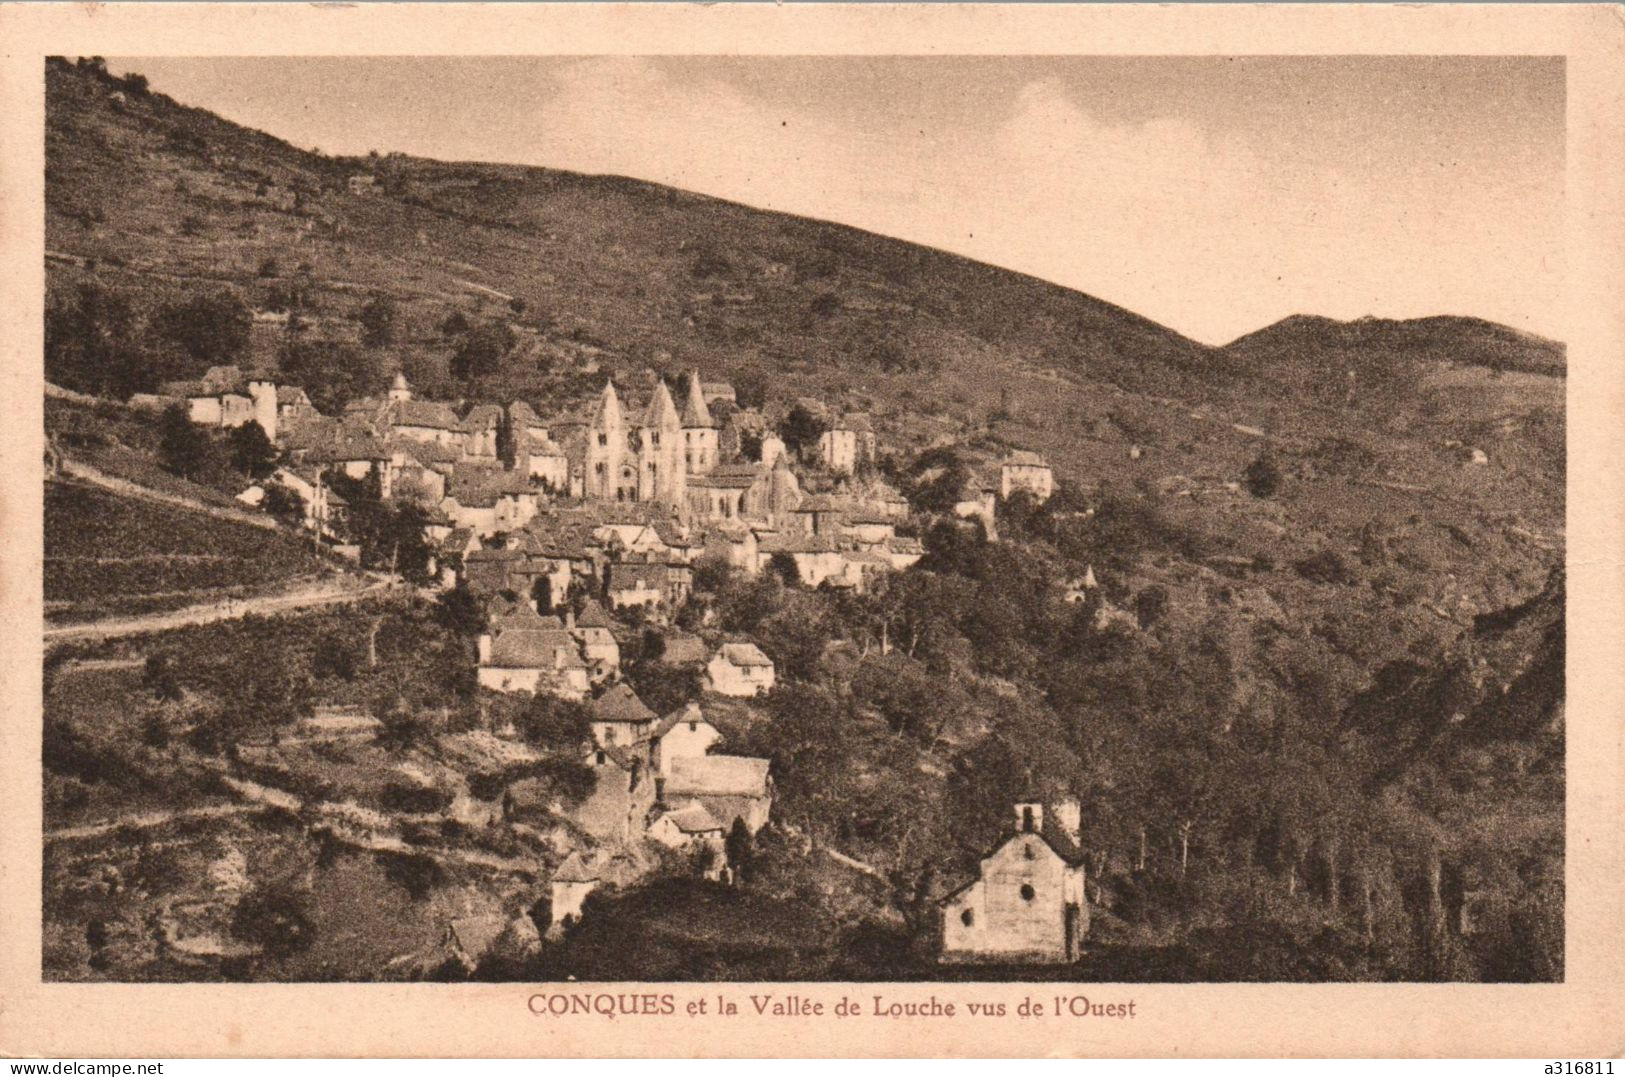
x,y
110,554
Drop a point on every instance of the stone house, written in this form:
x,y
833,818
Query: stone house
x,y
687,826
581,873
816,558
636,583
593,629
739,669
838,449
524,652
730,786
1023,470
1026,903
227,398
620,720
682,734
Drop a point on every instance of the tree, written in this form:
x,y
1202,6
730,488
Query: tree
x,y
389,533
332,373
212,328
284,503
558,725
275,918
740,847
455,324
158,675
801,430
92,345
1263,476
252,452
751,388
480,351
1150,605
783,565
460,611
378,320
939,477
183,447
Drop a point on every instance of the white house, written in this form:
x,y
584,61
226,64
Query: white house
x,y
528,653
838,449
730,786
594,631
687,826
739,669
620,719
682,734
1023,470
1027,902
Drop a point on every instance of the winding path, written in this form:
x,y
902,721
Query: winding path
x,y
325,594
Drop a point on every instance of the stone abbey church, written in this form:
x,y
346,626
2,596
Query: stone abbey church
x,y
649,459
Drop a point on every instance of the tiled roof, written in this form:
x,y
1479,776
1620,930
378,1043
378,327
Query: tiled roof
x,y
717,775
534,648
692,818
695,413
1023,458
630,576
822,503
424,413
579,868
856,421
593,616
689,712
621,704
682,648
481,417
797,543
744,655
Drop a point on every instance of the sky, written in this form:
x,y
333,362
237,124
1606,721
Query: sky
x,y
1212,194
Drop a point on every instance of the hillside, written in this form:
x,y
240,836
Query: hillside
x,y
1329,614
646,274
1327,344
160,203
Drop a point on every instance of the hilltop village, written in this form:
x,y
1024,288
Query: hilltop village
x,y
617,501
565,531
413,609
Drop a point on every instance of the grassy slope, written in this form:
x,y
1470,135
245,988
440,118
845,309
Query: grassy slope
x,y
107,553
631,274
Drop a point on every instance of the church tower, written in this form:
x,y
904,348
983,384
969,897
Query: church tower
x,y
700,448
399,391
606,447
661,474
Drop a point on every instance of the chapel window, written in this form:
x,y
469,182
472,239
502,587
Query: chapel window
x,y
1027,892
968,918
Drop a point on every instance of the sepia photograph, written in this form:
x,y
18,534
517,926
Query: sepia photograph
x,y
808,518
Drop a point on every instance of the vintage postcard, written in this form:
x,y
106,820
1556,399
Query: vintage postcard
x,y
904,530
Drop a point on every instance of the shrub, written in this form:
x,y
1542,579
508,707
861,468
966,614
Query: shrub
x,y
1263,477
275,918
1327,566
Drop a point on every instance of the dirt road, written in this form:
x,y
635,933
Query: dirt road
x,y
327,593
83,472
